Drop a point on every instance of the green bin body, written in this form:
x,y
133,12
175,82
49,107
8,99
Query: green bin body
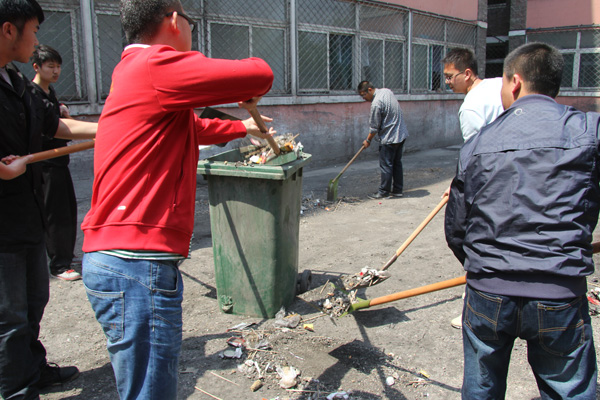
x,y
255,222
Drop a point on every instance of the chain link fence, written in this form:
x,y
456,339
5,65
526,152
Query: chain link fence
x,y
432,37
62,31
315,47
581,51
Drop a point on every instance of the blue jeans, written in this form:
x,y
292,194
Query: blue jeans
x,y
560,346
24,293
138,305
390,164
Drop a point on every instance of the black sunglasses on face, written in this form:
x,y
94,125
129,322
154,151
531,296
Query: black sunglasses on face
x,y
187,18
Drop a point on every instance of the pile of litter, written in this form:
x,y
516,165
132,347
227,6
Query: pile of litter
x,y
250,346
365,278
311,203
338,301
264,153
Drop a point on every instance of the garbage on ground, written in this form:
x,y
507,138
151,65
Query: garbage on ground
x,y
338,395
256,385
288,376
424,373
263,344
236,341
231,353
417,383
390,381
309,327
241,327
283,321
246,368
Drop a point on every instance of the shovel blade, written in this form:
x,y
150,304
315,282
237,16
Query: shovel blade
x,y
359,305
332,190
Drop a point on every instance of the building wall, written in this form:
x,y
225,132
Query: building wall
x,y
463,9
583,103
554,13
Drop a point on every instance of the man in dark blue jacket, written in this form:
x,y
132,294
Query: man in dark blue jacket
x,y
520,217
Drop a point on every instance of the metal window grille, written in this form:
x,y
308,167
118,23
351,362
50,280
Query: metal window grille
x,y
61,31
580,48
315,47
495,51
432,37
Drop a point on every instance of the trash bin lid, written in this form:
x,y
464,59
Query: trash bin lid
x,y
230,163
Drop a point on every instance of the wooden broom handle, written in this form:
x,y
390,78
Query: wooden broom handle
x,y
416,232
263,128
61,151
461,280
349,162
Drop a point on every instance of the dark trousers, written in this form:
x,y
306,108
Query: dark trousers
x,y
390,163
24,293
61,216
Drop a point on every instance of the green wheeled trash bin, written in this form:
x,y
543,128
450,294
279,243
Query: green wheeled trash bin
x,y
255,222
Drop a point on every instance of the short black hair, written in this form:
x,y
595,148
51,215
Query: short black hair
x,y
462,59
44,53
540,65
364,86
18,12
142,18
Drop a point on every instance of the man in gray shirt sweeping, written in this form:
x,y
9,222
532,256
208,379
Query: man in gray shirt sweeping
x,y
387,125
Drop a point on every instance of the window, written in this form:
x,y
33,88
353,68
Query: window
x,y
427,68
588,70
321,47
340,61
432,36
312,61
383,37
57,32
581,53
110,45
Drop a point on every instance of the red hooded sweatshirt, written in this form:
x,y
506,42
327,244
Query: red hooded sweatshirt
x,y
146,150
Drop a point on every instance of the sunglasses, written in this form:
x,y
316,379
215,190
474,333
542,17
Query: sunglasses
x,y
186,17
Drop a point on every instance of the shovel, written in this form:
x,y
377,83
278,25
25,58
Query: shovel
x,y
371,278
333,184
461,280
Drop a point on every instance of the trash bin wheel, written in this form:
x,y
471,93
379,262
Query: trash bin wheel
x,y
304,281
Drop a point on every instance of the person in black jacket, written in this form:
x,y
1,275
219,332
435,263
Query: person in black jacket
x,y
60,203
24,281
520,217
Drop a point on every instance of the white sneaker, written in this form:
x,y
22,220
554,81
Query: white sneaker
x,y
457,322
68,275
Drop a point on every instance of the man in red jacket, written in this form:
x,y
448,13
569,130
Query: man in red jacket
x,y
140,223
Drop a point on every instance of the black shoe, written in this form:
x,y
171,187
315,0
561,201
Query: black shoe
x,y
396,194
52,375
378,195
